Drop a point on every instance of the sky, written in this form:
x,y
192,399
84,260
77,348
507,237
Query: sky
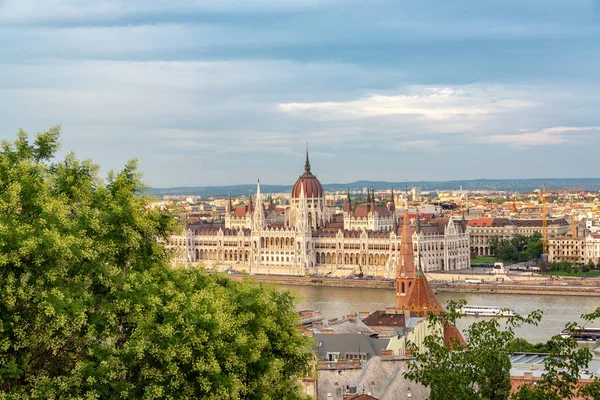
x,y
225,92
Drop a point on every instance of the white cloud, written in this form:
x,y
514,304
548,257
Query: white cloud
x,y
432,103
68,10
544,137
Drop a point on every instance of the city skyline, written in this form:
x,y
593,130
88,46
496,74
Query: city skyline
x,y
219,93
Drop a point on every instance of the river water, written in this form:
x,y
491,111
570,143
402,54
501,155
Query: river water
x,y
335,302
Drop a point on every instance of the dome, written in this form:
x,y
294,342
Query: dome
x,y
307,181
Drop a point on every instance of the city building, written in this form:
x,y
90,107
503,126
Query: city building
x,y
566,248
308,238
592,248
481,230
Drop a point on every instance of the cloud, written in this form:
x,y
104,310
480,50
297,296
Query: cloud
x,y
545,137
433,103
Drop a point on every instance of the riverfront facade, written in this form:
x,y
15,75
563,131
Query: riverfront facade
x,y
308,237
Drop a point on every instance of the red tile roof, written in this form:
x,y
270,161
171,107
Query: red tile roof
x,y
452,335
420,298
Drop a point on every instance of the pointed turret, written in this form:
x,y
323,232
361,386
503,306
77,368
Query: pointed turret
x,y
392,207
229,204
307,163
421,299
405,270
250,206
418,222
348,205
259,211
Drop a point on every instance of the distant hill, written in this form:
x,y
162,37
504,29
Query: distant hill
x,y
509,185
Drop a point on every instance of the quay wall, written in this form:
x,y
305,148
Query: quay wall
x,y
457,286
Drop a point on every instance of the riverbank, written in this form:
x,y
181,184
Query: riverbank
x,y
457,287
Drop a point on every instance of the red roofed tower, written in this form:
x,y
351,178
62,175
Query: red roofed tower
x,y
405,270
420,298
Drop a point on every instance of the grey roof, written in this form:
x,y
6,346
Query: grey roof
x,y
534,363
349,343
346,325
383,379
412,322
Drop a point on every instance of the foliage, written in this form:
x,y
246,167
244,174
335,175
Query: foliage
x,y
481,369
561,370
519,345
570,269
89,307
518,249
483,260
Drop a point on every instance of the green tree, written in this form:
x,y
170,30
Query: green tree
x,y
90,307
494,245
482,372
561,370
481,368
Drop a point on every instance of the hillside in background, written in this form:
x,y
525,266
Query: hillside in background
x,y
509,185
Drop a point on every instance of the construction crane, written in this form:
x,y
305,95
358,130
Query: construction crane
x,y
543,195
573,225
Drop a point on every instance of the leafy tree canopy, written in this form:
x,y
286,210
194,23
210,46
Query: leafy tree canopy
x,y
481,368
519,248
89,307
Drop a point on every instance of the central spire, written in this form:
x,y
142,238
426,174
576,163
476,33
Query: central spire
x,y
307,163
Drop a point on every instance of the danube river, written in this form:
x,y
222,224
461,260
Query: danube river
x,y
335,302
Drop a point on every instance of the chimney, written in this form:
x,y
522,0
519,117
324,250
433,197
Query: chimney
x,y
387,353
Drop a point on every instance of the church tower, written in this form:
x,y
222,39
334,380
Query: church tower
x,y
405,270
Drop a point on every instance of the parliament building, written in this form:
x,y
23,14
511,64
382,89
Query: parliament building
x,y
309,237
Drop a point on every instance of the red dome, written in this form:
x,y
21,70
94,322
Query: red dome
x,y
307,181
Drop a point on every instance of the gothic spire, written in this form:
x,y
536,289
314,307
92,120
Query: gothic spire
x,y
393,202
230,204
259,211
307,163
250,207
348,205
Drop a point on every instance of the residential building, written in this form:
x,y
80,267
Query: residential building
x,y
566,248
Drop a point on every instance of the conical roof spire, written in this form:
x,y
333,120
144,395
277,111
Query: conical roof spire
x,y
230,204
250,206
348,205
420,298
307,163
